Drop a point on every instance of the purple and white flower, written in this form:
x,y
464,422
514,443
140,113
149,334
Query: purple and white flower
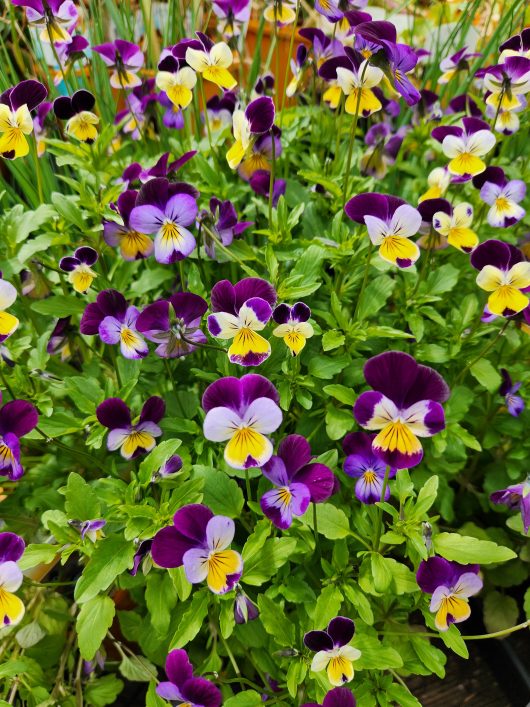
x,y
79,268
131,439
516,496
508,390
364,465
182,688
333,653
17,418
125,59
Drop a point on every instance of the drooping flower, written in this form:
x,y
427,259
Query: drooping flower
x,y
247,125
125,59
239,312
79,268
53,17
508,390
244,608
200,541
402,59
77,111
515,496
88,528
438,181
293,325
453,224
338,697
234,14
297,480
383,148
459,61
222,219
164,209
242,412
465,146
8,322
259,154
212,62
132,244
502,196
390,223
507,82
15,117
280,13
131,439
17,418
362,464
183,688
11,607
174,324
260,183
404,405
58,343
503,272
115,322
451,584
332,650
298,65
162,168
169,468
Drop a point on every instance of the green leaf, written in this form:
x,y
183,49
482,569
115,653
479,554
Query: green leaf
x,y
401,695
155,459
338,422
486,374
265,563
359,600
426,497
526,603
327,367
81,500
221,493
386,332
138,669
60,424
381,572
295,676
327,606
500,611
469,550
341,392
375,296
160,599
103,691
192,620
332,339
37,554
93,622
30,635
227,619
331,521
59,306
275,621
467,438
431,657
247,698
112,556
454,641
442,279
375,655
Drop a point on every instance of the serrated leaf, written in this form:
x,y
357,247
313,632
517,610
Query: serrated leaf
x,y
93,621
112,556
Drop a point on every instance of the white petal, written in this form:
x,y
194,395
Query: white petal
x,y
220,424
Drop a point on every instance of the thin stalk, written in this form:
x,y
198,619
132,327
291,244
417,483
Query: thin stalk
x,y
205,113
352,140
484,351
498,634
379,525
315,528
271,179
247,486
365,279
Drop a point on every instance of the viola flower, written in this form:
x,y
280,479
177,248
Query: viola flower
x,y
165,209
383,148
69,53
115,322
178,86
54,17
323,47
240,311
356,84
222,219
332,650
504,273
247,125
132,244
58,343
11,607
459,61
518,45
136,173
280,13
173,117
8,322
464,104
507,82
362,463
338,697
212,62
241,412
465,146
182,687
39,125
200,542
503,197
244,608
234,14
508,390
131,439
17,418
220,111
174,324
404,404
453,224
88,528
260,183
390,223
125,59
169,468
451,585
438,181
506,121
402,59
15,118
143,548
77,110
259,154
297,480
293,325
515,496
132,119
78,267
298,65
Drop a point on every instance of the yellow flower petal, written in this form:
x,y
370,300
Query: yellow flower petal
x,y
221,564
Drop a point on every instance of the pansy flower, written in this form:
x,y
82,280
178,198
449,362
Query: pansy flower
x,y
453,224
11,607
356,83
362,464
465,145
239,312
464,104
162,168
438,180
503,272
515,496
297,479
280,13
518,45
125,59
131,439
244,608
173,117
8,322
242,412
17,418
502,196
169,468
451,584
115,322
323,47
293,325
401,60
390,223
247,125
79,268
200,541
509,390
338,697
404,405
219,111
54,17
77,111
383,148
90,529
233,14
259,153
506,82
222,219
15,117
174,324
298,65
212,62
182,688
132,244
455,63
332,650
178,85
260,183
165,209
506,121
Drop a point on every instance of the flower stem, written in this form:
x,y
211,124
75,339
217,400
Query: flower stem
x,y
315,528
379,525
352,141
247,486
205,113
484,351
271,179
498,634
365,279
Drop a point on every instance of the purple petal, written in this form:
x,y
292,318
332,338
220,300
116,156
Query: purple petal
x,y
282,314
260,114
69,263
153,409
181,209
114,414
11,547
191,522
318,641
169,546
223,298
358,443
253,287
341,630
189,307
178,667
319,479
29,92
492,252
110,330
154,318
433,573
295,452
18,417
199,691
276,510
274,470
339,697
391,373
146,219
86,255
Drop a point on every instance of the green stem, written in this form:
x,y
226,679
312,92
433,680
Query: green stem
x,y
352,141
315,528
379,525
247,486
271,179
484,351
498,634
365,280
71,450
205,113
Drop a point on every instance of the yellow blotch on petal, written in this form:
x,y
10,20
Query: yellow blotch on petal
x,y
507,297
295,342
462,238
508,101
394,248
11,608
220,77
283,14
81,278
179,95
8,323
82,126
137,440
451,606
134,244
434,192
397,436
221,564
332,96
340,670
246,342
466,163
235,154
368,102
245,443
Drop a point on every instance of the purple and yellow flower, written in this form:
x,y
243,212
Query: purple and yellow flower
x,y
438,180
200,541
233,13
8,322
242,412
503,272
518,45
298,480
17,418
451,584
131,439
222,219
136,173
90,529
115,322
77,111
514,403
169,468
390,223
507,121
15,117
338,697
502,196
178,85
333,653
244,608
247,125
79,268
293,325
220,111
507,82
53,17
260,183
453,224
174,324
404,405
516,496
212,62
298,65
259,154
280,13
182,688
125,59
356,83
363,464
465,146
451,65
11,607
132,244
383,148
239,312
164,209
59,343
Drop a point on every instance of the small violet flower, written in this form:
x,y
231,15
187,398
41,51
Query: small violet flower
x,y
77,110
88,528
338,697
125,59
293,325
362,464
516,496
17,418
244,608
183,688
11,607
508,390
15,117
78,267
169,468
247,125
55,18
502,196
465,146
132,244
332,650
131,439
